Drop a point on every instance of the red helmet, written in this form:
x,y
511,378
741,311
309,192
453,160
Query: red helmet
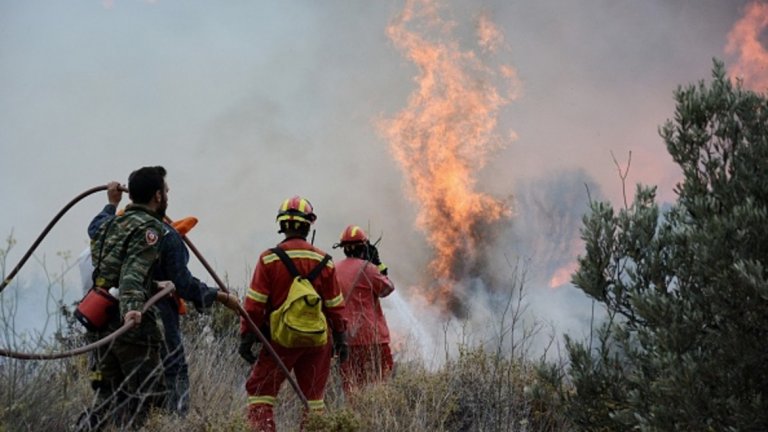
x,y
353,234
296,209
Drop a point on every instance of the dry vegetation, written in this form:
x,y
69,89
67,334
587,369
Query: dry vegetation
x,y
478,390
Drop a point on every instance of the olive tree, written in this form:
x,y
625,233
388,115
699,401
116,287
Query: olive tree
x,y
685,345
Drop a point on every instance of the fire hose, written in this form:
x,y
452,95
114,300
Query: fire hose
x,y
127,325
251,325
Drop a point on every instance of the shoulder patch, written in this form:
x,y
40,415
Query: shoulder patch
x,y
151,236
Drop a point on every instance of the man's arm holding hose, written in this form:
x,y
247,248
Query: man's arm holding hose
x,y
114,195
175,259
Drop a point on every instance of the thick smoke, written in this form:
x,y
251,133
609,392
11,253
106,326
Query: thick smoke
x,y
249,103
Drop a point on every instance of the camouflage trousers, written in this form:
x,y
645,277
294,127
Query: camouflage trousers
x,y
128,379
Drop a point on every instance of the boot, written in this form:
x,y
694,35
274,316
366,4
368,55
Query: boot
x,y
261,418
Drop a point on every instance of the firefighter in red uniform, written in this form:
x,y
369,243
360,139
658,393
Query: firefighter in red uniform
x,y
363,281
269,289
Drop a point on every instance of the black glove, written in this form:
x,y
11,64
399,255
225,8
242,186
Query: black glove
x,y
246,347
373,255
340,347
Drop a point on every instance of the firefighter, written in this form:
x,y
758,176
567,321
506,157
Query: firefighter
x,y
363,280
272,280
123,251
171,265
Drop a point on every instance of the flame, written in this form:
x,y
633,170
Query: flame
x,y
488,36
563,274
744,42
446,134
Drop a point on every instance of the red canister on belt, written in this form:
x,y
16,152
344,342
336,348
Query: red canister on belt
x,y
96,308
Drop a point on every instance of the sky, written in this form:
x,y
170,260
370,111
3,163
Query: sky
x,y
247,103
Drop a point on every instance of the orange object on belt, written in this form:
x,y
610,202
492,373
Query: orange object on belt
x,y
181,305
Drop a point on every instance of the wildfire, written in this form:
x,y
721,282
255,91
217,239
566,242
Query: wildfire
x,y
563,275
445,135
744,43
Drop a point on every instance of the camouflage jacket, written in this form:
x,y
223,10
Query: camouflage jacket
x,y
123,251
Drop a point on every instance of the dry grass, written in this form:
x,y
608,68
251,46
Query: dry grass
x,y
478,390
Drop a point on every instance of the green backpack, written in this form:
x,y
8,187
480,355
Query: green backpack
x,y
299,322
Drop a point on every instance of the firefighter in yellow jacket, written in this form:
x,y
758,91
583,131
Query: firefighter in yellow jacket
x,y
272,279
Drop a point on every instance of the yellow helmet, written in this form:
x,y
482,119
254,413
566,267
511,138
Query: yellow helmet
x,y
296,209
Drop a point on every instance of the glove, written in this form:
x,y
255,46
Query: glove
x,y
246,347
373,255
383,269
340,347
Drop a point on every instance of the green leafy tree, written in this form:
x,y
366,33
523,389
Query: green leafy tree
x,y
685,345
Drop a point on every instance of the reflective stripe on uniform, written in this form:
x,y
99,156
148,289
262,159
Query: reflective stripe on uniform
x,y
256,296
95,375
316,405
262,400
295,254
339,299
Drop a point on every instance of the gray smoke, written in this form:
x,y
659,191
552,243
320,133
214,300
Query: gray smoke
x,y
249,103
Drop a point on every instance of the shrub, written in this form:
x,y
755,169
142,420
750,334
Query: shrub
x,y
686,291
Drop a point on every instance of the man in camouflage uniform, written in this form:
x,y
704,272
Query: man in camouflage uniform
x,y
171,265
124,251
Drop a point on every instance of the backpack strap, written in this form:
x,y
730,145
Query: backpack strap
x,y
97,269
288,262
318,268
124,246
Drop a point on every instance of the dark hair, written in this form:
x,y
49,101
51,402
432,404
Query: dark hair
x,y
356,250
294,228
144,182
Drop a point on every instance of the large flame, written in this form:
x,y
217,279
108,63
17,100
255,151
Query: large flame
x,y
446,133
744,42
